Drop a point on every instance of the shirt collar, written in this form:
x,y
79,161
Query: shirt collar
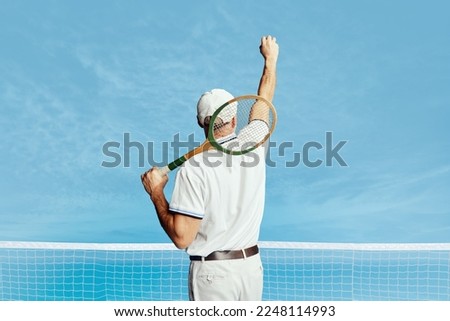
x,y
226,139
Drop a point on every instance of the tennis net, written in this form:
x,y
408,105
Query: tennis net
x,y
292,271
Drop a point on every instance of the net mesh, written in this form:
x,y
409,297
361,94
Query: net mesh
x,y
292,271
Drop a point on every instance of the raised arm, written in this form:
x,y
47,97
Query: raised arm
x,y
269,50
266,89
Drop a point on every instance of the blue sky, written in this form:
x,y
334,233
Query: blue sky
x,y
78,74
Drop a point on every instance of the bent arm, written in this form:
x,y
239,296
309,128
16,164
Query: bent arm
x,y
180,228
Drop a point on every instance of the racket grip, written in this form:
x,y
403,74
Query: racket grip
x,y
164,170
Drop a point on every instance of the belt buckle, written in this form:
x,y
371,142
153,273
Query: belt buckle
x,y
244,254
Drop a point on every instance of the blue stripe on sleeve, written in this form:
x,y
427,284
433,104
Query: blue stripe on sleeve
x,y
188,213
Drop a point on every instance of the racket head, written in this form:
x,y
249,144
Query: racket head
x,y
250,118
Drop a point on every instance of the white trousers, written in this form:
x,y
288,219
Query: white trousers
x,y
226,280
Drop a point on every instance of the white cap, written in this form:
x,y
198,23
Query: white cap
x,y
210,101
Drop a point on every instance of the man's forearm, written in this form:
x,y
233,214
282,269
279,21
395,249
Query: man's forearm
x,y
166,219
181,229
268,80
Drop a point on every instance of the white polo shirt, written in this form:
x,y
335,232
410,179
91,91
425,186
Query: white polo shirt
x,y
227,193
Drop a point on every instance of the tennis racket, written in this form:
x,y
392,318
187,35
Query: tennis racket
x,y
250,119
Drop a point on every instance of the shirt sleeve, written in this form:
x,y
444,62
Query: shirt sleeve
x,y
188,193
254,132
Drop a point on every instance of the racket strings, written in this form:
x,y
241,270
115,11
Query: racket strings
x,y
250,119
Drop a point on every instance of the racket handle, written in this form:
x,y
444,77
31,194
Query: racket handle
x,y
164,170
175,164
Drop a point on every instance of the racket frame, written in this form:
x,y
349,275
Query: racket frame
x,y
211,143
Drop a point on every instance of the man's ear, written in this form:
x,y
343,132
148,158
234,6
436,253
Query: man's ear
x,y
233,122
